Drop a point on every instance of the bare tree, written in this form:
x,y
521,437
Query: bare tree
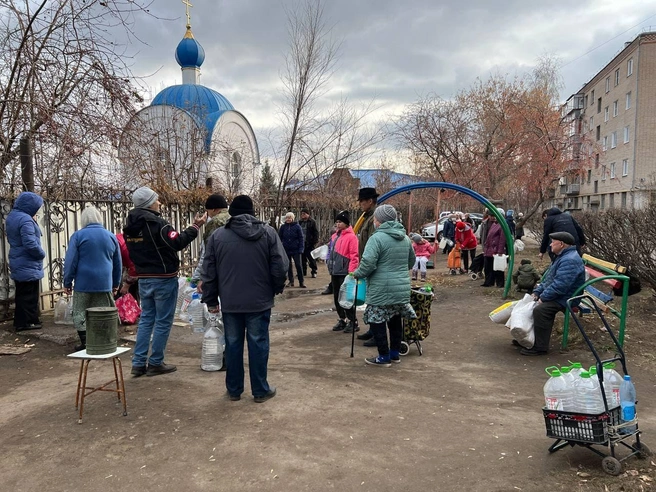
x,y
65,83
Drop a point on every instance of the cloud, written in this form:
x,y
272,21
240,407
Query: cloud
x,y
393,51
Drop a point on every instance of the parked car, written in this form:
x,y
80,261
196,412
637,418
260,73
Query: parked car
x,y
428,231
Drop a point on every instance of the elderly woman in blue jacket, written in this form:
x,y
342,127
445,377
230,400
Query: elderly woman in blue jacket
x,y
25,259
385,262
92,269
291,235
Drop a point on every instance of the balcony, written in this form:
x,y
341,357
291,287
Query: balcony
x,y
573,189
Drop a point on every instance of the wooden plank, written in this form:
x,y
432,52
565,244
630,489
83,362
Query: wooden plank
x,y
602,307
602,296
607,264
616,284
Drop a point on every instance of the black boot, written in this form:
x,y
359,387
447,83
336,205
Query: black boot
x,y
83,341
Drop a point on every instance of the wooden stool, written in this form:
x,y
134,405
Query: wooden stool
x,y
82,388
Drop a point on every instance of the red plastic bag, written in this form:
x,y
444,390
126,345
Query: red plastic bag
x,y
128,309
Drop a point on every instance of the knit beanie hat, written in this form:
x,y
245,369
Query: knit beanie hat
x,y
343,216
144,197
460,225
241,204
215,201
385,213
290,214
416,237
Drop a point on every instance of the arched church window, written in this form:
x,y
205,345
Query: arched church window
x,y
236,164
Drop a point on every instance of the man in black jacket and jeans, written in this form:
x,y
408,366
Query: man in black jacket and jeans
x,y
311,235
557,221
153,245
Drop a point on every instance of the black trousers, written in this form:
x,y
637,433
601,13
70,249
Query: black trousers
x,y
337,281
466,254
307,258
299,269
492,277
395,326
544,316
27,304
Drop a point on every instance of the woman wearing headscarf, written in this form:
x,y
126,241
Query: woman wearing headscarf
x,y
293,241
92,269
342,260
495,244
385,262
466,240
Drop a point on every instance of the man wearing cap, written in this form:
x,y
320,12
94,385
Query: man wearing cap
x,y
311,235
245,265
153,245
216,207
557,221
565,275
367,199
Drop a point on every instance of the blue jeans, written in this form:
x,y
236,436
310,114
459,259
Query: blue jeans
x,y
158,298
255,327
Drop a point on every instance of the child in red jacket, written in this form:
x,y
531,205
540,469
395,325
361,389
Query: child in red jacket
x,y
467,240
423,250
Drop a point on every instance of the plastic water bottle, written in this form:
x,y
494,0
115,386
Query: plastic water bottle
x,y
196,312
576,368
566,371
213,345
628,402
612,383
588,395
189,291
183,284
558,394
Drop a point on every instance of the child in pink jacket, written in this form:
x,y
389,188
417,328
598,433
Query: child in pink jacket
x,y
423,250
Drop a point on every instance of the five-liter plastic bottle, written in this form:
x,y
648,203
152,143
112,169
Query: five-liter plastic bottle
x,y
628,403
588,394
213,345
198,315
576,368
558,393
612,382
189,291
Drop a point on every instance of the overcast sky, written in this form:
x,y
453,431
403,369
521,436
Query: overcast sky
x,y
393,51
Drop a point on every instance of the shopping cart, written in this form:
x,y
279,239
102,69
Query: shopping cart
x,y
417,329
605,429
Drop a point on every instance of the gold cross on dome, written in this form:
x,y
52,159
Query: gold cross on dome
x,y
187,5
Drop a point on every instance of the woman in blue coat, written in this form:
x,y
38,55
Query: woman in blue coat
x,y
92,269
26,259
291,235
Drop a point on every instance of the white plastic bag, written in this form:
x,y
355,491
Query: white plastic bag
x,y
60,311
521,321
347,292
519,245
442,244
500,263
320,252
502,314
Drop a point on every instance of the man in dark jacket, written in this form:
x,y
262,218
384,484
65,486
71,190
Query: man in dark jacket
x,y
153,245
245,266
564,277
293,241
311,234
367,199
25,259
557,221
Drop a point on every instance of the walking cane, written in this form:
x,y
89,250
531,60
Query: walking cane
x,y
355,316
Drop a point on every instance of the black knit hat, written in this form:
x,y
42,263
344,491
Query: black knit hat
x,y
343,216
215,201
241,204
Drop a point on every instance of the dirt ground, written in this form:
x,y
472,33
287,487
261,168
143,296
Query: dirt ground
x,y
465,416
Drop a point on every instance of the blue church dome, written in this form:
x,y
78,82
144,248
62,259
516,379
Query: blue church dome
x,y
189,52
204,104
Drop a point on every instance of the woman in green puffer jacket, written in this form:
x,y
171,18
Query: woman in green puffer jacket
x,y
385,262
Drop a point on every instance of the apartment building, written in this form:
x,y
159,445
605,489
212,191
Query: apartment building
x,y
611,125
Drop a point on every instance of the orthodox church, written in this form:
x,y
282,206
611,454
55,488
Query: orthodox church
x,y
190,135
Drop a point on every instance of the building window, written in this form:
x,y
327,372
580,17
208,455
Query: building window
x,y
589,175
628,100
591,122
604,145
585,102
615,108
598,132
617,77
606,113
592,99
599,105
612,170
603,201
613,140
596,186
607,85
626,134
624,199
603,172
625,167
611,200
596,161
629,67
